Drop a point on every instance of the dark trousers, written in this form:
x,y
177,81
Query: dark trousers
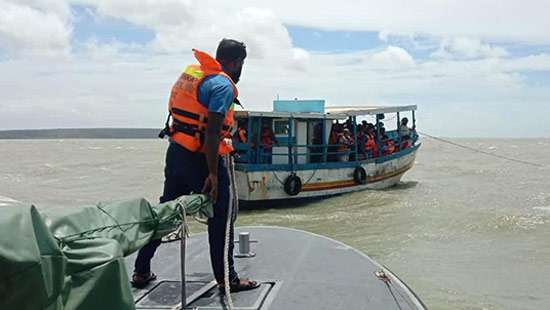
x,y
184,174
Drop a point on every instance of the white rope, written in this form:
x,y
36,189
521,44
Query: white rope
x,y
482,152
228,164
185,233
228,160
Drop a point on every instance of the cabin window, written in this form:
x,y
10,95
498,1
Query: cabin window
x,y
280,127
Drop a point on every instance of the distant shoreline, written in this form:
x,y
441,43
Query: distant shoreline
x,y
80,133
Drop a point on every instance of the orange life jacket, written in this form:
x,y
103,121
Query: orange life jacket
x,y
265,140
390,147
370,145
189,116
242,135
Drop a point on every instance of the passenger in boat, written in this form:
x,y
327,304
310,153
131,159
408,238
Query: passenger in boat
x,y
241,135
379,128
361,132
344,143
388,145
333,141
349,142
201,106
371,148
267,139
405,133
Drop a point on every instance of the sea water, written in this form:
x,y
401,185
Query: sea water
x,y
464,230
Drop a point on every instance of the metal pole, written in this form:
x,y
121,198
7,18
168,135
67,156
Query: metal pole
x,y
414,135
378,138
290,144
249,140
182,262
354,121
398,131
324,140
258,133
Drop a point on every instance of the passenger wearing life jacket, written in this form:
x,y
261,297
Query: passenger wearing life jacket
x,y
388,145
344,144
241,135
371,148
333,141
361,141
267,139
201,113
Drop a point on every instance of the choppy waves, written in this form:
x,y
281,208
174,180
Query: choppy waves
x,y
5,201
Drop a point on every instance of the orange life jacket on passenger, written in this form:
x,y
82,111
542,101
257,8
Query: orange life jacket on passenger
x,y
189,116
370,145
241,135
390,147
265,140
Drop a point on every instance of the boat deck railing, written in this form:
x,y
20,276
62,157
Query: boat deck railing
x,y
315,153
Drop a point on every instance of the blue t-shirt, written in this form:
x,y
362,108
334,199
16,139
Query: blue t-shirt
x,y
216,93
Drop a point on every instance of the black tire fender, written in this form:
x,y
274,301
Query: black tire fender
x,y
293,185
360,175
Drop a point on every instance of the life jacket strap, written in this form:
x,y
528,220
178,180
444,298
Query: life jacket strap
x,y
198,117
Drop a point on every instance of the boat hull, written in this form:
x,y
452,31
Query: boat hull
x,y
266,183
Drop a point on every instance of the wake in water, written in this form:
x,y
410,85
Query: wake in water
x,y
4,201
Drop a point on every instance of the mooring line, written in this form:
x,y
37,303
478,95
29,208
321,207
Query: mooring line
x,y
480,151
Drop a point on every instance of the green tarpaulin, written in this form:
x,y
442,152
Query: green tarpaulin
x,y
76,260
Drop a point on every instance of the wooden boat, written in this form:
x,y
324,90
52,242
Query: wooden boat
x,y
304,162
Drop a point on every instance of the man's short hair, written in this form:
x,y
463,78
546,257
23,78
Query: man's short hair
x,y
230,50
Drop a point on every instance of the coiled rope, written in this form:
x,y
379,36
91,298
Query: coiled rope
x,y
482,152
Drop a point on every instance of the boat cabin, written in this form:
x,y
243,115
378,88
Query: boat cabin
x,y
302,132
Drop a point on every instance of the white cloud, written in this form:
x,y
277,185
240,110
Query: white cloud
x,y
539,62
123,85
300,58
393,57
35,27
152,13
511,20
181,25
468,48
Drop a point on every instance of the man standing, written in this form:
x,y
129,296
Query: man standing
x,y
201,108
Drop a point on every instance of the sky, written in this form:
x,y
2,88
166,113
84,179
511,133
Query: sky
x,y
473,68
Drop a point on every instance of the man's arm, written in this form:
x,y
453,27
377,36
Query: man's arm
x,y
212,143
217,94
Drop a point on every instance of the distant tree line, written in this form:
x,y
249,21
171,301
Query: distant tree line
x,y
81,133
